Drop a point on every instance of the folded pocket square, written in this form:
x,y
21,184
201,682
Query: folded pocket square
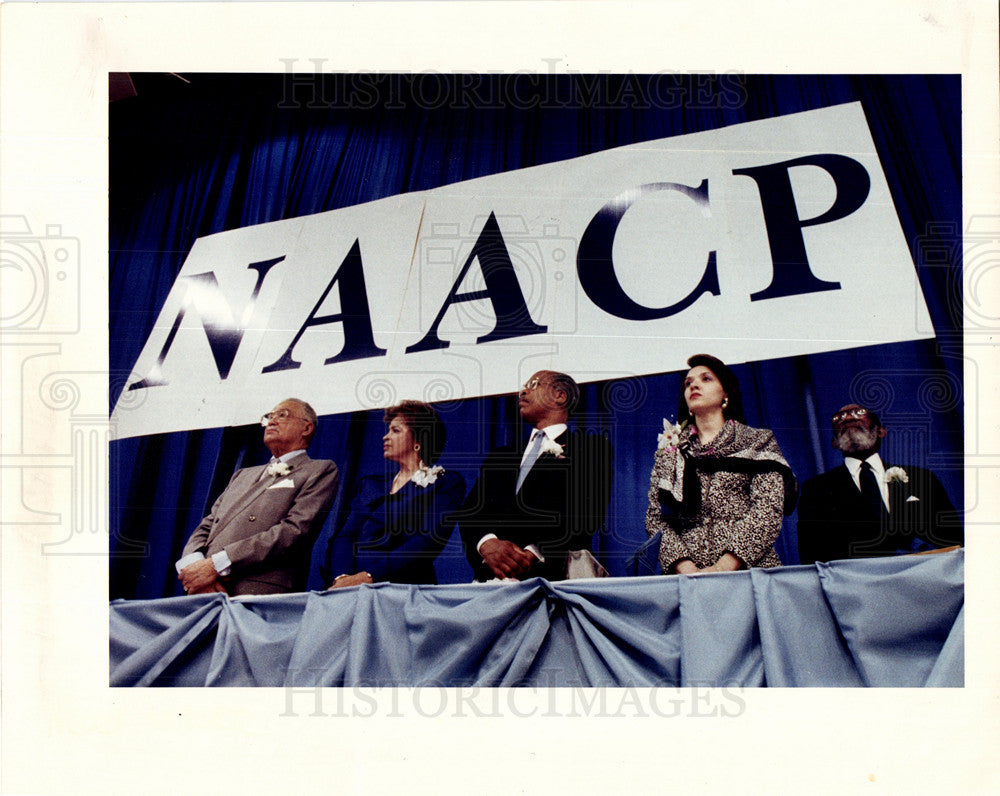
x,y
912,499
288,483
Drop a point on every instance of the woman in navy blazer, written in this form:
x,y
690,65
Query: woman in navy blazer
x,y
398,524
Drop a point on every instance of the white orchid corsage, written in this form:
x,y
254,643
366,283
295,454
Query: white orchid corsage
x,y
894,474
425,476
552,447
671,436
278,468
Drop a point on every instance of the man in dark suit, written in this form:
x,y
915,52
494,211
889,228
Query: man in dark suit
x,y
258,536
531,506
866,508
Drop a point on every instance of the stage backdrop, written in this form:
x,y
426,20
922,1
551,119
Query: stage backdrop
x,y
730,235
223,153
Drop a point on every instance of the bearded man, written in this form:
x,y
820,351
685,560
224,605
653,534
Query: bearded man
x,y
866,508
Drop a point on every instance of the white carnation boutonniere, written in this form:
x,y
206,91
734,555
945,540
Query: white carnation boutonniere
x,y
672,435
551,447
425,476
278,468
894,474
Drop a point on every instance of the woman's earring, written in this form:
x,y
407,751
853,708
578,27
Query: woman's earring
x,y
416,447
725,401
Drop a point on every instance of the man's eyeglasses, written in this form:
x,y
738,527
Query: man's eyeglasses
x,y
857,412
531,384
281,414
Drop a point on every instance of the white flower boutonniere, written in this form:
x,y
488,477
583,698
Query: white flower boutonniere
x,y
552,447
894,474
278,468
671,435
426,476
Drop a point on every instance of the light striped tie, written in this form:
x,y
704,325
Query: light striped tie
x,y
530,459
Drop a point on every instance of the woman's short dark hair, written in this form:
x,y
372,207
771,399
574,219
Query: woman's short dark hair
x,y
731,385
428,429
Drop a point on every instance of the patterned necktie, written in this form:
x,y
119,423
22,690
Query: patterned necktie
x,y
529,460
869,489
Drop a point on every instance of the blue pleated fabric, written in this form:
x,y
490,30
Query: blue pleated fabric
x,y
890,622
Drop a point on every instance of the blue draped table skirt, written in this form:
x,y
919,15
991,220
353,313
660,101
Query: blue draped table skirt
x,y
877,622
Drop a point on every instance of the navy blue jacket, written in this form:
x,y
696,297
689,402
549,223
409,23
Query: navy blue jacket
x,y
395,537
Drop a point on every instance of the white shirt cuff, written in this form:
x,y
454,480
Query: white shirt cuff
x,y
485,539
188,560
222,563
220,560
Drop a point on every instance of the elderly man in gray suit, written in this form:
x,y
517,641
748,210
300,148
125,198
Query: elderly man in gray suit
x,y
259,534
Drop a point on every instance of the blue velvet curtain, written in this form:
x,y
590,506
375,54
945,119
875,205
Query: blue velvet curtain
x,y
226,151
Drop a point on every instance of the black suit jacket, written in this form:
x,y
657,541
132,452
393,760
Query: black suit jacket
x,y
834,524
561,504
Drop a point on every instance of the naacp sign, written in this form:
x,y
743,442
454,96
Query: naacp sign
x,y
760,240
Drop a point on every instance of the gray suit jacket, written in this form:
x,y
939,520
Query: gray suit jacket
x,y
267,525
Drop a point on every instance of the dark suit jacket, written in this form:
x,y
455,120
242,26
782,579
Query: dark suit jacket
x,y
834,524
267,525
562,502
395,537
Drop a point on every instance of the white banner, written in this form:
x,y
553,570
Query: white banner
x,y
760,240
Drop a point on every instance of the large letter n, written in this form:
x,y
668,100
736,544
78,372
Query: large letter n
x,y
202,294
